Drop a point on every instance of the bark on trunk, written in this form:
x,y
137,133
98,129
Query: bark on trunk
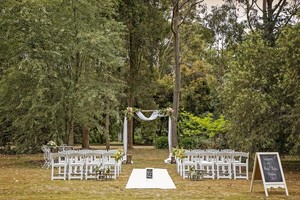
x,y
71,133
130,126
107,128
86,138
176,93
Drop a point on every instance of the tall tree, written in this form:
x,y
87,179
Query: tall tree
x,y
180,12
268,16
67,53
143,41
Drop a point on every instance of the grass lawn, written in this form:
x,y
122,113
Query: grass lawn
x,y
21,177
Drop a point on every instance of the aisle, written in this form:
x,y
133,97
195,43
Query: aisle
x,y
161,179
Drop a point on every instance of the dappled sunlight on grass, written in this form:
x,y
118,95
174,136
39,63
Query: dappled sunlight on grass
x,y
21,177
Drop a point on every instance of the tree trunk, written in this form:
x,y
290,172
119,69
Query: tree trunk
x,y
71,132
86,138
131,80
107,127
176,93
269,22
130,126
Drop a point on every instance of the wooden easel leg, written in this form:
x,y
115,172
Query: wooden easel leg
x,y
266,191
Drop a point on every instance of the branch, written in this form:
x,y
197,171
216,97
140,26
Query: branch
x,y
280,8
292,14
278,4
189,10
248,12
183,4
173,10
257,5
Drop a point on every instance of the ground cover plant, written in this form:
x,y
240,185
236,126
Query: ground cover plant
x,y
22,177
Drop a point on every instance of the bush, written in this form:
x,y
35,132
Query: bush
x,y
188,143
161,142
206,130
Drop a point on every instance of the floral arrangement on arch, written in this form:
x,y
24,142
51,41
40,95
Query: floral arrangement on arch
x,y
129,112
51,143
119,154
167,111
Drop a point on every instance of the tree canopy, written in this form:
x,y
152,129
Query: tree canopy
x,y
69,68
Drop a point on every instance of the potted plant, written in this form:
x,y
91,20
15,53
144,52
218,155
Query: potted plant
x,y
119,154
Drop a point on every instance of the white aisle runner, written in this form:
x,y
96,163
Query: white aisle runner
x,y
161,179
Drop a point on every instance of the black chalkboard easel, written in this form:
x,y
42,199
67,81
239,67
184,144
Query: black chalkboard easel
x,y
267,167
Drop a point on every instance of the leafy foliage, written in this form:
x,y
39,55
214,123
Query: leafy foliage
x,y
161,142
206,131
64,60
254,100
65,64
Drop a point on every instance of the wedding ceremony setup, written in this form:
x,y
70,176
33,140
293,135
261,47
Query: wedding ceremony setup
x,y
149,99
130,112
66,163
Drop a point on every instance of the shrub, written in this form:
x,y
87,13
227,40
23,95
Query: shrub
x,y
188,143
161,142
206,130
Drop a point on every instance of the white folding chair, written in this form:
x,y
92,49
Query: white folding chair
x,y
206,162
109,161
93,159
76,163
240,165
178,165
58,166
47,159
188,162
223,164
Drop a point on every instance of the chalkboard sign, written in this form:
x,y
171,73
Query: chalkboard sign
x,y
270,167
149,173
267,167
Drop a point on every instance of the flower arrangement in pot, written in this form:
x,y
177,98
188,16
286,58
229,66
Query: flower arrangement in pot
x,y
178,153
119,154
51,144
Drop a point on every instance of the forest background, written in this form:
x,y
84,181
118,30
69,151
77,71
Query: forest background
x,y
70,68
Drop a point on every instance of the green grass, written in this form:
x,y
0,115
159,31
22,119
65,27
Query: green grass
x,y
21,177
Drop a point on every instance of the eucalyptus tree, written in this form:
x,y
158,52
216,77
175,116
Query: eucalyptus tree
x,y
228,31
180,12
146,29
267,16
249,75
65,56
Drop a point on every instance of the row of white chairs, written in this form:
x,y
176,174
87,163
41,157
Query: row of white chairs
x,y
82,164
47,150
215,163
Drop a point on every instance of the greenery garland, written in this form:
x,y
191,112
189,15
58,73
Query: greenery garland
x,y
167,112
